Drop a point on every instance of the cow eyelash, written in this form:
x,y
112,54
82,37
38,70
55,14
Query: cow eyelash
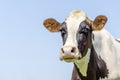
x,y
63,32
84,30
60,30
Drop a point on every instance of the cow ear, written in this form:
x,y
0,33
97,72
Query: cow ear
x,y
51,24
99,22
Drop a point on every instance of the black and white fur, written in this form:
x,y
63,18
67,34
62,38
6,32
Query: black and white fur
x,y
78,48
93,50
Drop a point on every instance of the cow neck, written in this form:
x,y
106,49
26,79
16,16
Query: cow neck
x,y
82,65
91,68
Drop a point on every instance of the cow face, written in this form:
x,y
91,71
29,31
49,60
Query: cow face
x,y
76,33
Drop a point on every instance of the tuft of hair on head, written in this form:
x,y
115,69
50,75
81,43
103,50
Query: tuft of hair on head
x,y
78,13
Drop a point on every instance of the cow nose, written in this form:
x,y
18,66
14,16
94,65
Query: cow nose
x,y
68,50
69,53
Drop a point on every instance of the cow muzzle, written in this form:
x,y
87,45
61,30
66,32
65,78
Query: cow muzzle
x,y
69,53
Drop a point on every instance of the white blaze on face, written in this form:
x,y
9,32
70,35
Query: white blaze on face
x,y
73,21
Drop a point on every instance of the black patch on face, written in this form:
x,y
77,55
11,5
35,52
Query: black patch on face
x,y
64,32
83,37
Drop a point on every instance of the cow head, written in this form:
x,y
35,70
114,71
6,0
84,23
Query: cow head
x,y
76,32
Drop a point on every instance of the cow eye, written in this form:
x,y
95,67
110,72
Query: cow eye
x,y
63,32
84,31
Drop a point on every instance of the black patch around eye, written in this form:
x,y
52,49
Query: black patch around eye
x,y
84,24
84,28
63,30
84,31
63,27
83,36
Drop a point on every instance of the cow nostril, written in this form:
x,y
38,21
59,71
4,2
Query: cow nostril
x,y
73,50
68,50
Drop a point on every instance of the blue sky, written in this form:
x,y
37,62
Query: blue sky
x,y
28,51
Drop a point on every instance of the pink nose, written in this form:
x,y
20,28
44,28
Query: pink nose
x,y
68,50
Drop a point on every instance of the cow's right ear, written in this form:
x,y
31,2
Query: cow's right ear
x,y
99,22
52,25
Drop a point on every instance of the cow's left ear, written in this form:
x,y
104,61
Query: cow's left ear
x,y
99,22
52,25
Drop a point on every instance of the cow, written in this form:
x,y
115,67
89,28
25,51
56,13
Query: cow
x,y
92,49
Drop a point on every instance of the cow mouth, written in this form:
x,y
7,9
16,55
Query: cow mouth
x,y
68,58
